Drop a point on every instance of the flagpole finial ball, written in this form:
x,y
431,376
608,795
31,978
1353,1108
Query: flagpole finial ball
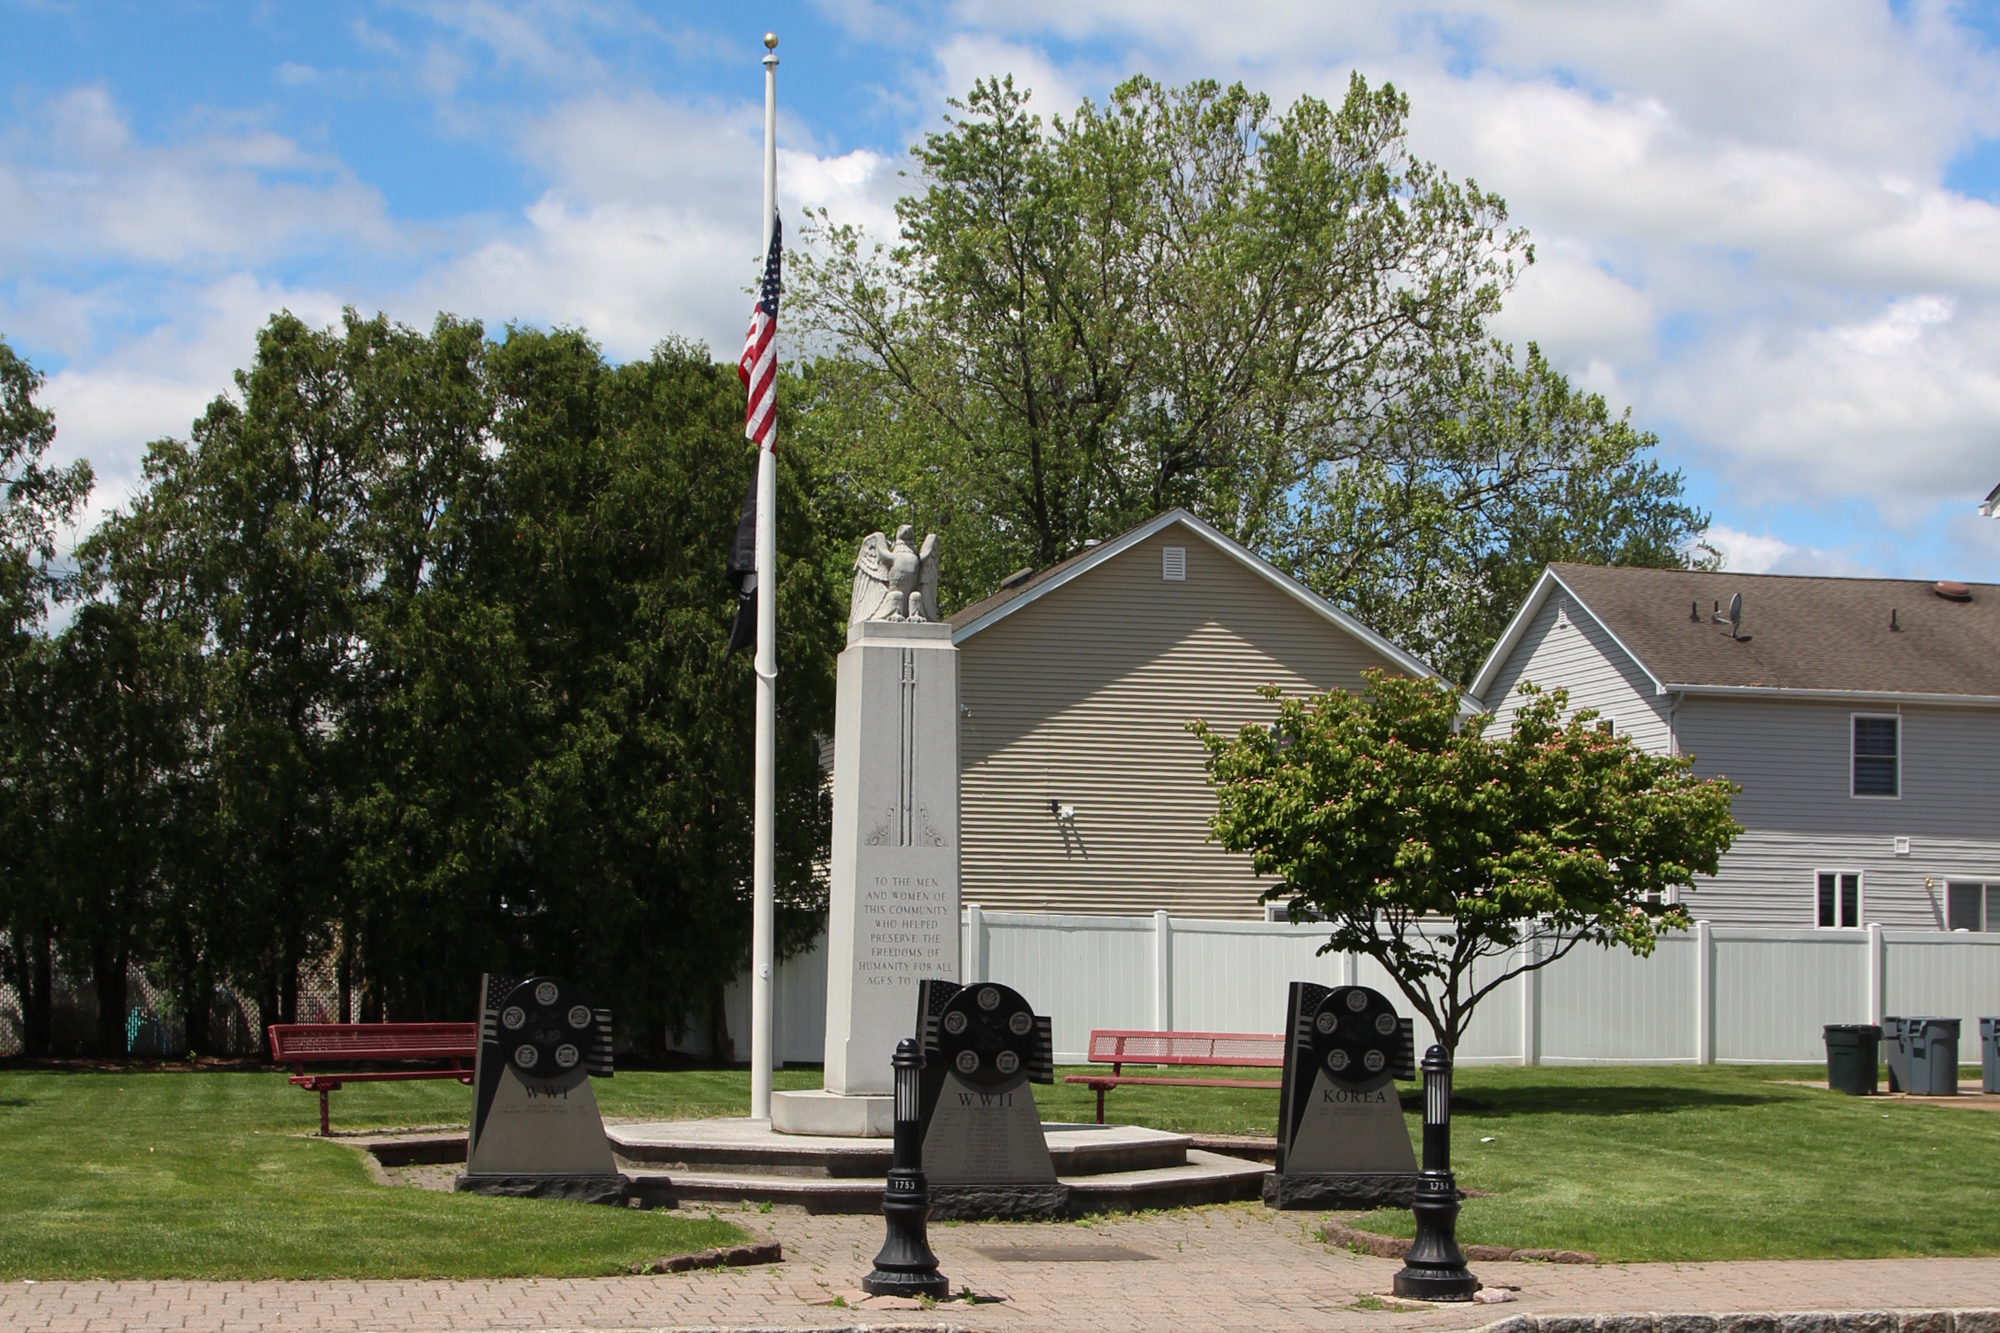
x,y
770,41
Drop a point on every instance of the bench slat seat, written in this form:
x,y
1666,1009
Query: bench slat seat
x,y
301,1044
1119,1047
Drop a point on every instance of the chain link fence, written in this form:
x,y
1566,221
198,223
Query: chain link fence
x,y
153,1025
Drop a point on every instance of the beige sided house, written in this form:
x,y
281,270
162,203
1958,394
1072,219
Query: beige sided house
x,y
1080,789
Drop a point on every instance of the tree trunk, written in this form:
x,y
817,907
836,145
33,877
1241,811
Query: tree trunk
x,y
107,970
720,1046
196,1004
38,998
267,1010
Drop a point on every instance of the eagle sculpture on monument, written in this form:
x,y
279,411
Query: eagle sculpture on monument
x,y
895,582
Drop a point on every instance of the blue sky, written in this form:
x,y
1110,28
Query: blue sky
x,y
1773,231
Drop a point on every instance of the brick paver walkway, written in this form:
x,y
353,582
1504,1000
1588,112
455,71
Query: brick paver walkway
x,y
1213,1269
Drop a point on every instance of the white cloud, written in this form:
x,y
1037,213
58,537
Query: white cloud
x,y
156,384
1900,410
1577,310
76,187
1739,211
650,225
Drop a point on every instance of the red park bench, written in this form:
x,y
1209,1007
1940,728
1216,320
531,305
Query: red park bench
x,y
302,1044
1119,1048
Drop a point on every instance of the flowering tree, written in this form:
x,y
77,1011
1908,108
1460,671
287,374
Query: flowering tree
x,y
1432,848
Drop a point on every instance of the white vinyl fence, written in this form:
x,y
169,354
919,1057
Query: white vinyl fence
x,y
1720,993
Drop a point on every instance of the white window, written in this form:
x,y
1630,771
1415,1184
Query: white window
x,y
1877,756
1838,894
1173,564
1971,905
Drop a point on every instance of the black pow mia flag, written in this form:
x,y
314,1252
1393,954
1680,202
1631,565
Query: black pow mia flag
x,y
743,576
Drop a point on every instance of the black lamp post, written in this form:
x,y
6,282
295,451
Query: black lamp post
x,y
1435,1268
906,1266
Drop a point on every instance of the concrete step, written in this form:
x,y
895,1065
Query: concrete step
x,y
747,1147
1204,1178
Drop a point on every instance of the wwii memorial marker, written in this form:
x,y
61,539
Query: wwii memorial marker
x,y
983,1147
1341,1137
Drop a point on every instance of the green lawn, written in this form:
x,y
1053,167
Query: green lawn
x,y
179,1175
174,1174
1671,1162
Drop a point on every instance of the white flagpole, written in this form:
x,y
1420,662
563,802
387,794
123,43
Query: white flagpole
x,y
763,860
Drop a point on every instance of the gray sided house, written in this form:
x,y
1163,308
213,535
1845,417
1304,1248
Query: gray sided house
x,y
1080,789
1860,716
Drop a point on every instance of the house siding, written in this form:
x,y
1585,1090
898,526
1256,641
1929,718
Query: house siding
x,y
1584,659
1082,697
1792,759
1767,878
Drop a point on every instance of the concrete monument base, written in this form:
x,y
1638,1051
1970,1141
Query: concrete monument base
x,y
1340,1189
611,1189
1000,1203
1102,1168
824,1114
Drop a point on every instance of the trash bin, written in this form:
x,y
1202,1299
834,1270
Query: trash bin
x,y
1851,1053
1989,1055
1896,1052
1933,1044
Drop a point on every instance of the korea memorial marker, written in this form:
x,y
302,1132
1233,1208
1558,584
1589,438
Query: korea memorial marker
x,y
1341,1137
984,1151
893,912
535,1126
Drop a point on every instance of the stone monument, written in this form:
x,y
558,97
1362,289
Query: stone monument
x,y
892,921
1341,1138
984,1150
535,1129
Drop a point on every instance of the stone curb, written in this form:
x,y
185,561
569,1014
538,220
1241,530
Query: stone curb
x,y
1811,1321
736,1256
1393,1247
783,1328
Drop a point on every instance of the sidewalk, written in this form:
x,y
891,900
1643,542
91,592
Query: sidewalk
x,y
1236,1267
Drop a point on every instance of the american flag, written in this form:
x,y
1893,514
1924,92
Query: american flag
x,y
759,368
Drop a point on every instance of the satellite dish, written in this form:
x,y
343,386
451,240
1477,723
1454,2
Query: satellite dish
x,y
1736,618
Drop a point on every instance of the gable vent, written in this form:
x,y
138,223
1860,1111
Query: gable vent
x,y
1173,564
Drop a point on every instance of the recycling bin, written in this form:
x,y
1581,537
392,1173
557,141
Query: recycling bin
x,y
1989,1055
1933,1044
1851,1054
1896,1052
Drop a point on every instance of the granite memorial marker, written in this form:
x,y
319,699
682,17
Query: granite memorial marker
x,y
984,1150
1341,1138
892,920
535,1129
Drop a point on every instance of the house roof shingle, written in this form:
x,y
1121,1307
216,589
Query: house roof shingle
x,y
1829,634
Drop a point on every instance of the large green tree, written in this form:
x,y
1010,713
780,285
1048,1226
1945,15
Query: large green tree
x,y
1436,532
1457,860
1278,320
558,757
412,656
39,501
